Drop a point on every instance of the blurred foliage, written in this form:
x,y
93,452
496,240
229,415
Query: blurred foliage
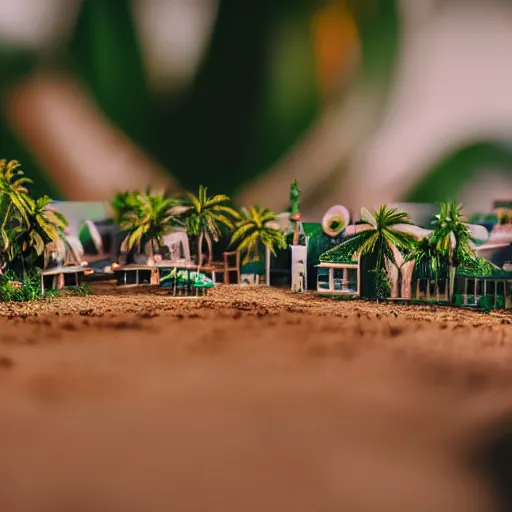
x,y
28,289
107,56
445,180
256,91
260,53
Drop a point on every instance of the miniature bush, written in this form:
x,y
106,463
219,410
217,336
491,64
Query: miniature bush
x,y
470,267
500,302
12,290
486,303
83,289
382,286
458,300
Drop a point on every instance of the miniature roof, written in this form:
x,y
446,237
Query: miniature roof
x,y
496,275
342,253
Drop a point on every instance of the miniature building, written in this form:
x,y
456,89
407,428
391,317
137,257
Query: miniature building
x,y
179,248
339,271
338,278
470,290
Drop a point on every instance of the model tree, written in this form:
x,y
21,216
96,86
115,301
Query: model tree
x,y
28,225
255,230
146,218
204,218
452,237
384,235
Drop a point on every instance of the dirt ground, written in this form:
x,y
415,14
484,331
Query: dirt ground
x,y
251,399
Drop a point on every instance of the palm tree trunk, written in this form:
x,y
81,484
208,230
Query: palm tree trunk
x,y
199,248
210,248
451,274
452,281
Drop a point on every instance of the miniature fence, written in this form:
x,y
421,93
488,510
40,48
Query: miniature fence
x,y
179,287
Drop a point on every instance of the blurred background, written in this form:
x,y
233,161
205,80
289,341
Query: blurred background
x,y
363,101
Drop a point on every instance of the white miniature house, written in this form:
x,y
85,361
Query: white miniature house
x,y
338,278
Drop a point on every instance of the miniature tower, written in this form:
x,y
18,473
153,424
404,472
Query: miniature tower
x,y
294,210
299,252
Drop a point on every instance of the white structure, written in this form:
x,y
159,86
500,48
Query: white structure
x,y
339,278
179,247
299,267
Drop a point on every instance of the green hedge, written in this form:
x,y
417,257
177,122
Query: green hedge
x,y
486,303
500,302
342,253
458,300
478,267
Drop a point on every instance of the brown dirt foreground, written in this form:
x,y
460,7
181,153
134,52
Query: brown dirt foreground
x,y
250,399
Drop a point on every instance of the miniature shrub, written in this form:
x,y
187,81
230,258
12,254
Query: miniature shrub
x,y
382,285
458,300
344,297
486,303
476,267
30,288
83,289
500,302
50,294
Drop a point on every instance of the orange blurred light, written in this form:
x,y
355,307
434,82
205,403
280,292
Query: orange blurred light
x,y
335,36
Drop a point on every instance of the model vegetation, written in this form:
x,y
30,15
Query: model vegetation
x,y
452,238
27,226
206,216
146,218
386,243
257,230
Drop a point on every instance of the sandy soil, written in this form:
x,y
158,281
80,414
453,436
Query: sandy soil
x,y
250,399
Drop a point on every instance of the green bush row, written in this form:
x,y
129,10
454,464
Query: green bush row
x,y
487,303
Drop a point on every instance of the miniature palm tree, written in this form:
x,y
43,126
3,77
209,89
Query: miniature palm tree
x,y
254,230
452,237
426,256
384,235
14,197
123,203
147,218
204,218
44,226
383,232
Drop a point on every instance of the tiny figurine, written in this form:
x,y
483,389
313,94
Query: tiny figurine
x,y
298,277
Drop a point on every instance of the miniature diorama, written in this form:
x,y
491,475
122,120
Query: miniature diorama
x,y
188,245
265,260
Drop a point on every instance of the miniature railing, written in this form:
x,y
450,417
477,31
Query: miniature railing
x,y
185,288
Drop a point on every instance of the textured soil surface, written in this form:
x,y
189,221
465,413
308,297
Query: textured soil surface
x,y
251,399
